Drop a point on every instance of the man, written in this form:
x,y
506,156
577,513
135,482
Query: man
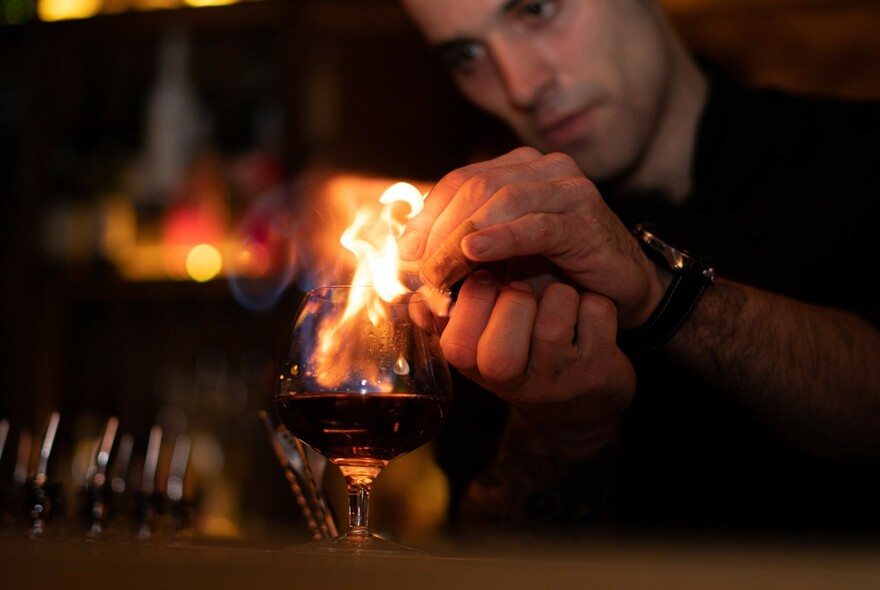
x,y
752,402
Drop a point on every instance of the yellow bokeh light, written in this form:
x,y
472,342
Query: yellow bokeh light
x,y
200,3
203,263
54,10
51,10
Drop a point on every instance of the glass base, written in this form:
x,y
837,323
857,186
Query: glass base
x,y
356,544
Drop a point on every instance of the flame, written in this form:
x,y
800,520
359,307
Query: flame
x,y
372,239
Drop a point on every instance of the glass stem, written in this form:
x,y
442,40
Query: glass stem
x,y
359,479
358,508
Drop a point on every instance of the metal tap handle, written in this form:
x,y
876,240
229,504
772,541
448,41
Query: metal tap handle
x,y
41,502
96,483
147,502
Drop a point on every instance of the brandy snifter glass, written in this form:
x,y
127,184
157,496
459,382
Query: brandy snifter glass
x,y
362,381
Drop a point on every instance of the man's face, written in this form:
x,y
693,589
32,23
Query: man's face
x,y
585,77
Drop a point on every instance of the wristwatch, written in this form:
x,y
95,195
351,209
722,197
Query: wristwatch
x,y
692,272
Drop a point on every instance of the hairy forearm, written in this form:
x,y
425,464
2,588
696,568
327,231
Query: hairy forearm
x,y
810,371
539,480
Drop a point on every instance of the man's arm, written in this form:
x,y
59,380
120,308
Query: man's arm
x,y
812,372
538,483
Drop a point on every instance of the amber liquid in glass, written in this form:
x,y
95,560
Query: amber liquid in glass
x,y
362,428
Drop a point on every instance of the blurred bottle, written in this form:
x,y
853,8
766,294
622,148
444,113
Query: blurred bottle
x,y
175,124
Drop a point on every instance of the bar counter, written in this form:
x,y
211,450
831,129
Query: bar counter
x,y
74,564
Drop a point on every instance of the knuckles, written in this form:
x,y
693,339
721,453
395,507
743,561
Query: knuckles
x,y
456,178
562,162
525,153
496,365
579,188
598,306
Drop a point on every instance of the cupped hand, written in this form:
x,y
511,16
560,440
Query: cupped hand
x,y
554,356
526,203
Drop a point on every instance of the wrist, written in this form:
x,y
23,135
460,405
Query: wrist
x,y
689,274
659,284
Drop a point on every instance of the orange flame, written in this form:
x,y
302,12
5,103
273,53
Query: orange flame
x,y
373,241
372,238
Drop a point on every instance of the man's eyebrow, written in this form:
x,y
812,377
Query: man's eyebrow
x,y
454,46
507,7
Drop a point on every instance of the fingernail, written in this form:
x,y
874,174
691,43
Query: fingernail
x,y
477,244
520,286
483,276
439,301
408,245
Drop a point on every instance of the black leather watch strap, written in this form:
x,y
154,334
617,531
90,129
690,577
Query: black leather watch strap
x,y
675,307
691,271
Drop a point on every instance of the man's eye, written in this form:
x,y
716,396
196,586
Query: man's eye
x,y
538,11
463,57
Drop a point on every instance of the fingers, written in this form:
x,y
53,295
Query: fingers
x,y
571,329
489,332
498,335
530,217
459,341
475,198
597,326
567,222
484,184
412,243
448,264
553,339
423,307
611,372
547,218
503,348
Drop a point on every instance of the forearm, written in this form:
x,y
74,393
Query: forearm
x,y
539,482
810,371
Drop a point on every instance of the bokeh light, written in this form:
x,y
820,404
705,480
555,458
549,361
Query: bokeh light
x,y
200,3
52,10
203,263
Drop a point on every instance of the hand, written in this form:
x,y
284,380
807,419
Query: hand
x,y
524,203
554,357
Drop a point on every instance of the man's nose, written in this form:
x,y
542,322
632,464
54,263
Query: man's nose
x,y
525,72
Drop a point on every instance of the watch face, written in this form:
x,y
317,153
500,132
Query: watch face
x,y
681,243
678,254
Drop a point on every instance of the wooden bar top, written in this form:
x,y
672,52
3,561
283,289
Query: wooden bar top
x,y
74,564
